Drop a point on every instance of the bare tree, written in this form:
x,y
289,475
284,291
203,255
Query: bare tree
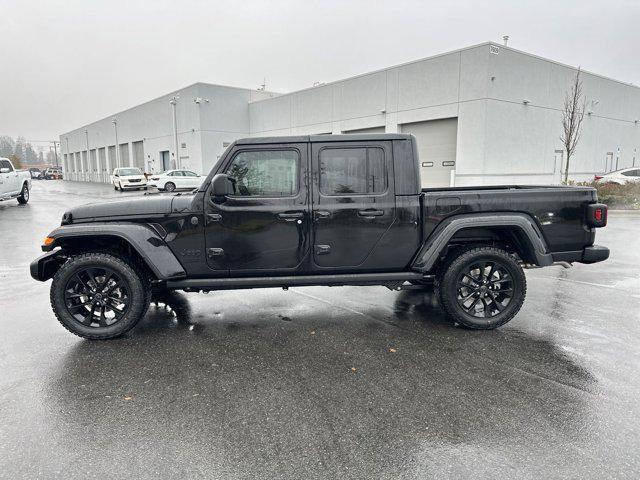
x,y
572,117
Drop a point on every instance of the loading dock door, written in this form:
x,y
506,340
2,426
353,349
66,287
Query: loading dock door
x,y
138,155
436,149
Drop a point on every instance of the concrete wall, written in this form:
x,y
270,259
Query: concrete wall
x,y
500,138
221,116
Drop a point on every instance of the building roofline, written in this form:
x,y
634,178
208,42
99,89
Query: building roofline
x,y
172,92
451,52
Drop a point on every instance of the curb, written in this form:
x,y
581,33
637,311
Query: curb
x,y
624,212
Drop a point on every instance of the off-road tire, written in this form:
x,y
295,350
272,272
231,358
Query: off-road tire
x,y
454,266
169,187
135,277
24,195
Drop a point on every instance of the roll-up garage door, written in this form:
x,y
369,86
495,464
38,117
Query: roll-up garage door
x,y
366,130
138,155
436,148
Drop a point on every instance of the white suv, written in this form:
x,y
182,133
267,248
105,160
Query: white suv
x,y
128,178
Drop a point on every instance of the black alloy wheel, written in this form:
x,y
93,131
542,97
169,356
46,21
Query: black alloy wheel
x,y
482,287
97,297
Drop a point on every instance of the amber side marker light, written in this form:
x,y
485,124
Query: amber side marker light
x,y
48,241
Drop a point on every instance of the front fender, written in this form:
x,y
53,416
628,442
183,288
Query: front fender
x,y
142,238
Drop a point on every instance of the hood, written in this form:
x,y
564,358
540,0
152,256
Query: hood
x,y
148,205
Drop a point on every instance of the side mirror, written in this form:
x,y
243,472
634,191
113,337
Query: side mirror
x,y
4,170
222,185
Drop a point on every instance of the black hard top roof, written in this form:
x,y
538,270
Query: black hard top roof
x,y
348,137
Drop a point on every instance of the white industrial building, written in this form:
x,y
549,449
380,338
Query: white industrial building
x,y
482,115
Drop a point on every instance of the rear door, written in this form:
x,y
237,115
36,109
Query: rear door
x,y
353,202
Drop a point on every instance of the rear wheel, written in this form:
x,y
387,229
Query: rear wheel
x,y
170,186
24,195
482,288
98,296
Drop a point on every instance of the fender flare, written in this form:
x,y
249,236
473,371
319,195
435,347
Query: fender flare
x,y
141,237
436,243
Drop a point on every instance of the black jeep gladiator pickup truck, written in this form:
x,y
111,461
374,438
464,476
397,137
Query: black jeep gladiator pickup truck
x,y
316,210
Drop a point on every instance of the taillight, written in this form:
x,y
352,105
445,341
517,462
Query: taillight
x,y
597,215
597,177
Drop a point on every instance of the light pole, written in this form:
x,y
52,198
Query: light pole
x,y
115,127
173,102
88,163
55,151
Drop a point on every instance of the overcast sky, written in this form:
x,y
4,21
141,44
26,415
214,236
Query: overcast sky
x,y
71,62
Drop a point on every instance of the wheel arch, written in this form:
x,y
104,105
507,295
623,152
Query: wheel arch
x,y
139,242
516,232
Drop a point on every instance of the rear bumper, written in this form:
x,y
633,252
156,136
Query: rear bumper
x,y
45,266
592,254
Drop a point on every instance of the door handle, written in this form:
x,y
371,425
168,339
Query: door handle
x,y
370,213
322,214
213,217
290,216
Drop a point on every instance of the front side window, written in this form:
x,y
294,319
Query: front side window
x,y
6,164
631,173
352,171
265,173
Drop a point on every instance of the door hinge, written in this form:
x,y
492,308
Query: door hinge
x,y
214,252
322,249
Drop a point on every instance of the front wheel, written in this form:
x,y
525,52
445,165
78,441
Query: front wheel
x,y
170,186
482,288
98,296
24,195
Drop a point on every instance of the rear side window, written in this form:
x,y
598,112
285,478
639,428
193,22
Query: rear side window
x,y
352,171
631,173
266,173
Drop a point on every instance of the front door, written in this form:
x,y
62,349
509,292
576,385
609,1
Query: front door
x,y
353,203
264,226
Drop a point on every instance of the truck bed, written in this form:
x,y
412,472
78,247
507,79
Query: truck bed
x,y
559,211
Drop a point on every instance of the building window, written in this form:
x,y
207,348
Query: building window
x,y
266,173
357,171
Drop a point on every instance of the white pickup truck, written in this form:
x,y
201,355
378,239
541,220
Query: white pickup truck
x,y
14,183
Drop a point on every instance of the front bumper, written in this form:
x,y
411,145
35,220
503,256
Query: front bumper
x,y
133,185
592,254
45,266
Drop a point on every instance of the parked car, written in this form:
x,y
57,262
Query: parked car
x,y
620,177
53,173
127,178
316,210
14,183
175,180
36,173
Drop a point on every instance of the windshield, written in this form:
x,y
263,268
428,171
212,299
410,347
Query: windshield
x,y
129,171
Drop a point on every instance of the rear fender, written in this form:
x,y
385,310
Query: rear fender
x,y
526,227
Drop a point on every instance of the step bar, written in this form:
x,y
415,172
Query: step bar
x,y
391,280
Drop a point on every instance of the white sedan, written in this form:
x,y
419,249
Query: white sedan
x,y
621,177
127,178
175,180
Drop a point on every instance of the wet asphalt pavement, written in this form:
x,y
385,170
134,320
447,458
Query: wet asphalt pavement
x,y
351,382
